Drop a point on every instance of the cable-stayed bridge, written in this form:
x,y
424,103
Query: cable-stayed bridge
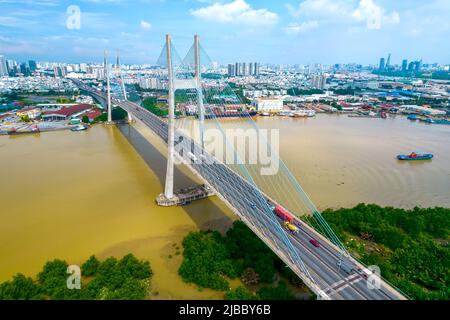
x,y
328,270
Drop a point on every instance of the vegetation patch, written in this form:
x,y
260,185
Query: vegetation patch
x,y
111,279
409,246
211,259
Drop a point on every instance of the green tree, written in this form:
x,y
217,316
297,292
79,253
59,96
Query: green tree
x,y
90,267
240,293
53,281
25,119
404,244
206,261
85,119
280,292
20,288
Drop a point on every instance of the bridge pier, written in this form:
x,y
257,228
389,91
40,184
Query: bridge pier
x,y
185,196
130,118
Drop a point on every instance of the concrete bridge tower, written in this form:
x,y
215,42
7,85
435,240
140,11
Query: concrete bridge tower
x,y
108,88
173,84
168,192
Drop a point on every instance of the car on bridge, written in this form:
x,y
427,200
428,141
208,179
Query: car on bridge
x,y
292,228
346,266
315,243
192,156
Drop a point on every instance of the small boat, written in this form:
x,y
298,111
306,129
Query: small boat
x,y
415,156
412,117
284,113
14,131
306,113
79,128
383,115
265,114
429,120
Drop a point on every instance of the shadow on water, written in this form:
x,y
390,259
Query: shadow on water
x,y
205,213
416,163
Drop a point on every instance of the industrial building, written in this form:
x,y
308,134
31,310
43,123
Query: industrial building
x,y
67,113
268,104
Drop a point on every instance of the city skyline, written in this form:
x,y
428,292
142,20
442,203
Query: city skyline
x,y
306,32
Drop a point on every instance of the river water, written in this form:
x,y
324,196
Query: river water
x,y
72,194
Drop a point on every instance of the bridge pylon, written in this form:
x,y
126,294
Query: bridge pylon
x,y
168,197
108,88
168,191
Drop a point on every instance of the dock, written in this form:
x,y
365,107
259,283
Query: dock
x,y
185,196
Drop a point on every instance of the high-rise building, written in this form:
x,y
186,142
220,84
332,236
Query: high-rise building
x,y
10,67
382,64
3,67
32,65
83,67
318,81
256,71
151,83
60,71
24,69
418,65
231,70
243,69
404,65
411,66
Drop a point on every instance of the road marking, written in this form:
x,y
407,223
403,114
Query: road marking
x,y
342,284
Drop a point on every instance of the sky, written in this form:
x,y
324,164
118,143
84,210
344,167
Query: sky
x,y
266,31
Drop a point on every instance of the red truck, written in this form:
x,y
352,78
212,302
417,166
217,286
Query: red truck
x,y
283,214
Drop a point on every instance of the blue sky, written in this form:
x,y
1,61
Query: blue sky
x,y
278,31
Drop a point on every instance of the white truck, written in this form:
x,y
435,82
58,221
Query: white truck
x,y
192,156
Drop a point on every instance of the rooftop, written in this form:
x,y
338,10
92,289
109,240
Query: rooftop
x,y
68,111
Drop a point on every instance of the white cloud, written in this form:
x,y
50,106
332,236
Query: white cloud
x,y
145,25
342,11
238,11
320,9
129,35
294,27
374,15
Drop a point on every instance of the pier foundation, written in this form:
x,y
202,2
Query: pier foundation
x,y
185,196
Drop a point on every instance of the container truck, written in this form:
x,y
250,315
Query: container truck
x,y
283,214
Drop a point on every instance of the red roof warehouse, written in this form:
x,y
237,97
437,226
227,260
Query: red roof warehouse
x,y
67,112
93,114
